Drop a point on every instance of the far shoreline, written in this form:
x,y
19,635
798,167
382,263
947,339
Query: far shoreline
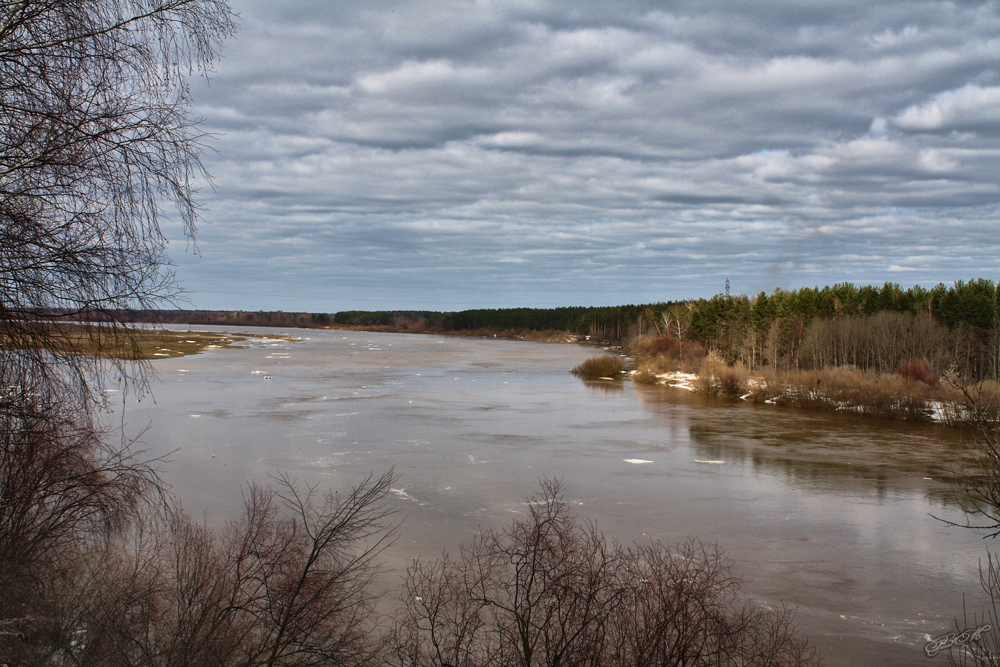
x,y
530,335
800,393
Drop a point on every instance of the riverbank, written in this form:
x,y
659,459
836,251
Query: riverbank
x,y
149,344
144,343
895,396
537,336
401,325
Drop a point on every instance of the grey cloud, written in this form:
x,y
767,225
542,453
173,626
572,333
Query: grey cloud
x,y
526,152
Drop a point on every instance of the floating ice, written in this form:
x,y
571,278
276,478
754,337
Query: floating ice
x,y
637,461
402,494
716,463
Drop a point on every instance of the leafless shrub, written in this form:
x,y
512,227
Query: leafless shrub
x,y
603,366
684,609
549,591
667,353
645,375
718,378
287,584
63,491
918,371
672,348
665,345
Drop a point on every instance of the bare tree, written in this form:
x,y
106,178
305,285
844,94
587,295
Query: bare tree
x,y
95,137
96,145
677,320
95,141
979,485
548,591
979,497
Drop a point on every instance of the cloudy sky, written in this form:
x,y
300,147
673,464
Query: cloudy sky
x,y
453,154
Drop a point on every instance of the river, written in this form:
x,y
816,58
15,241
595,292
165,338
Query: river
x,y
830,513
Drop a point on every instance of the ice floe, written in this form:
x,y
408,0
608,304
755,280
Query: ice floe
x,y
403,494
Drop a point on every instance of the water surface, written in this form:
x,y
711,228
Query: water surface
x,y
826,512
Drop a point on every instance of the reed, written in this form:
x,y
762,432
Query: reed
x,y
602,366
847,388
645,376
912,393
717,378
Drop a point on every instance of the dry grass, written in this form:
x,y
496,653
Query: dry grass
x,y
138,344
167,344
847,388
717,378
912,393
645,376
662,363
600,367
667,354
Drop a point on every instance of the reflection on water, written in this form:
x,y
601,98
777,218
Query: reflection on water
x,y
605,386
823,449
825,511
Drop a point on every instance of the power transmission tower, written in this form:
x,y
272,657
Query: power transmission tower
x,y
727,288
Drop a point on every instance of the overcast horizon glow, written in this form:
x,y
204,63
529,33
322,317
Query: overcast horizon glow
x,y
476,154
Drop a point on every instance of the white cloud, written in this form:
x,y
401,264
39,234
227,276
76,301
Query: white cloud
x,y
969,105
412,76
937,160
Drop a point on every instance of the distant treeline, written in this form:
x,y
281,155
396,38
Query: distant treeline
x,y
878,329
606,323
261,318
872,328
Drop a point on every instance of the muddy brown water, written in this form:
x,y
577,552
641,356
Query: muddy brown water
x,y
827,512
